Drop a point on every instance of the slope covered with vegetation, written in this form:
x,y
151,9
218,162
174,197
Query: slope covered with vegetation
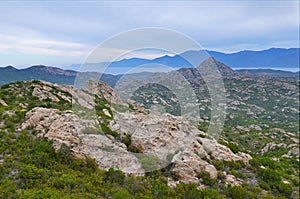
x,y
30,167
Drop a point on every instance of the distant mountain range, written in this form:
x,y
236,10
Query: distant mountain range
x,y
273,58
60,76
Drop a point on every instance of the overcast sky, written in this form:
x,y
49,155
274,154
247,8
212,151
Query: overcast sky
x,y
63,33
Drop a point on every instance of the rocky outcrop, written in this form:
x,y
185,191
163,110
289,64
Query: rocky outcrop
x,y
186,166
61,127
231,179
255,127
242,128
217,151
110,153
174,142
44,93
155,133
170,140
292,152
293,149
66,128
54,92
272,146
103,90
80,97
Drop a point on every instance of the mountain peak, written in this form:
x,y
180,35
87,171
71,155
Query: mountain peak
x,y
210,59
10,67
223,68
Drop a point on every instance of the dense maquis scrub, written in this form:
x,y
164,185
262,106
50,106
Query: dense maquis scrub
x,y
31,168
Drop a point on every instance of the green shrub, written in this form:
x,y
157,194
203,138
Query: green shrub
x,y
9,122
5,86
130,106
263,161
188,191
269,175
107,130
122,194
203,126
210,194
233,147
237,192
206,179
228,165
7,189
285,189
127,141
115,176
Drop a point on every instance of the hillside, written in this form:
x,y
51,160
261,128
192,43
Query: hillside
x,y
259,99
47,73
61,141
268,72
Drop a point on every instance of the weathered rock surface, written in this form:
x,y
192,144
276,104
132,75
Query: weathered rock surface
x,y
79,97
186,165
44,93
54,92
221,152
103,90
110,153
61,127
165,136
65,128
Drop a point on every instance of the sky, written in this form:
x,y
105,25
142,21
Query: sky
x,y
64,33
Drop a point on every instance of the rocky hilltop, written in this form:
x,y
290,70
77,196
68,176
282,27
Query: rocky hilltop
x,y
63,137
172,142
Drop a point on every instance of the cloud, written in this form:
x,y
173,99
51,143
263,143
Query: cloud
x,y
10,44
75,28
52,43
